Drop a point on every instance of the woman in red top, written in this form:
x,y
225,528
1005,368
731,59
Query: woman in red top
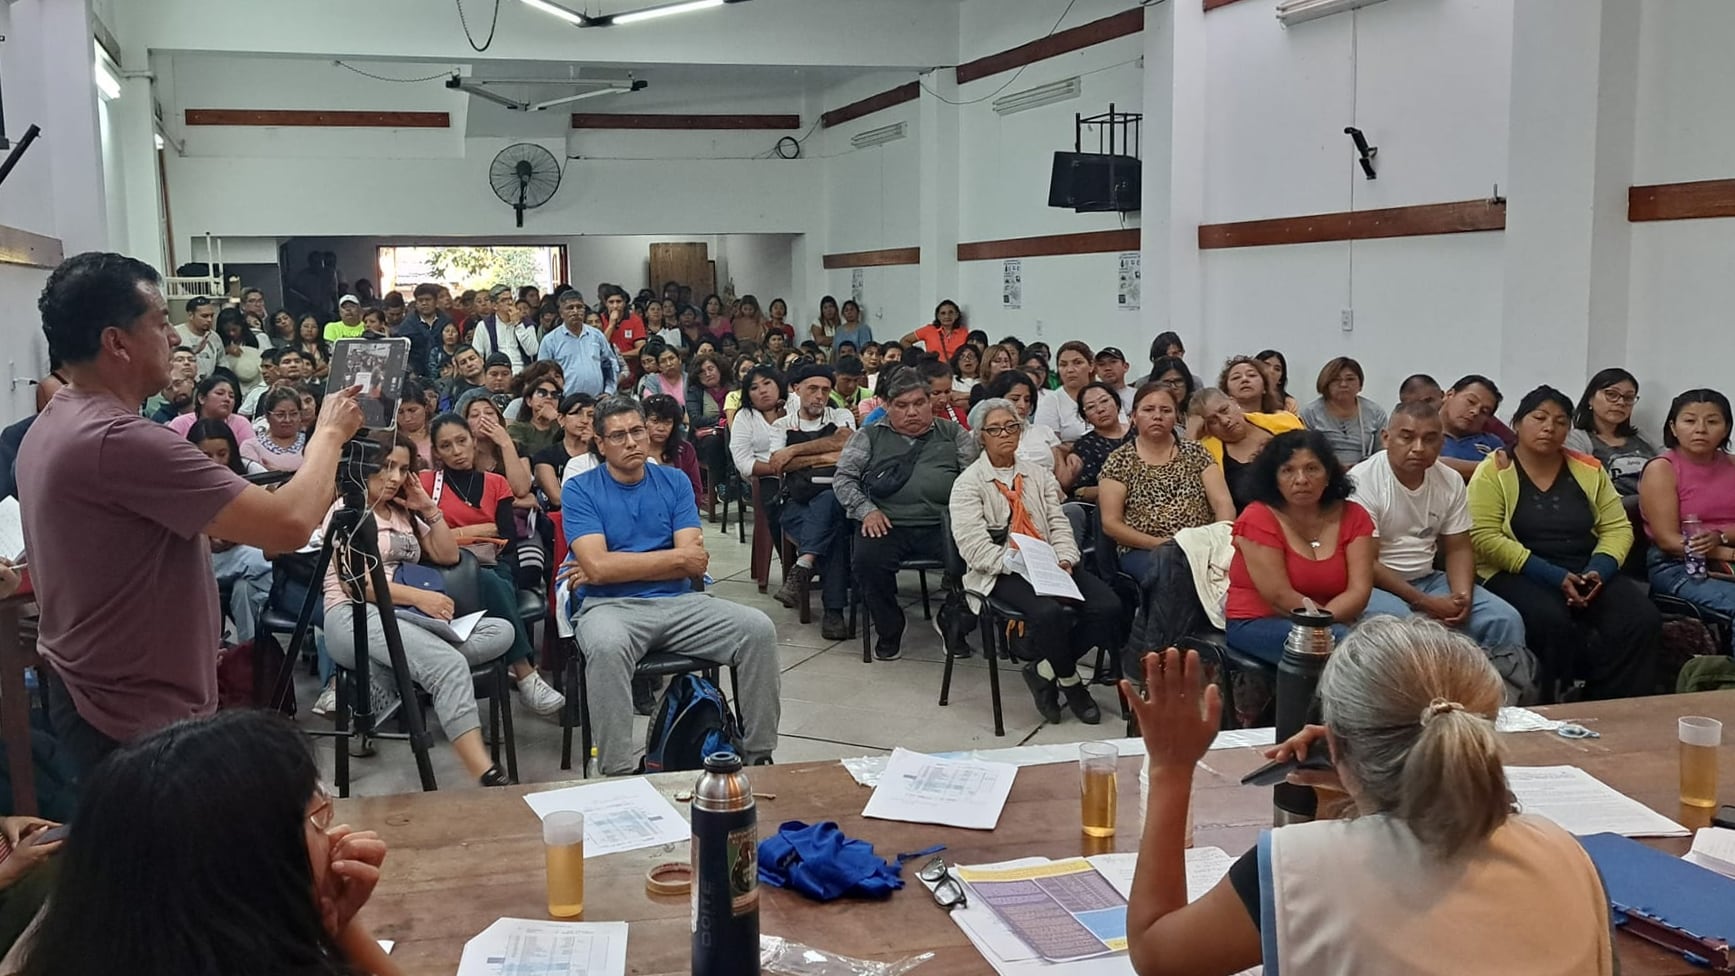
x,y
1299,538
943,336
470,499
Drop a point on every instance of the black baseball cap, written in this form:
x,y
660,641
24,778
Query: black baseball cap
x,y
498,359
1110,352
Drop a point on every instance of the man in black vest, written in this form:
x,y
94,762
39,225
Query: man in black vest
x,y
895,478
805,444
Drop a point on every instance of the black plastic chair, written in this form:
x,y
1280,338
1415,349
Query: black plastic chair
x,y
992,620
858,610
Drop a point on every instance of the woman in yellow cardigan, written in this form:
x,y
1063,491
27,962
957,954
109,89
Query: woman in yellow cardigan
x,y
1550,534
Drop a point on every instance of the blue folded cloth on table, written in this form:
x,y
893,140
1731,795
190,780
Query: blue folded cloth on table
x,y
823,863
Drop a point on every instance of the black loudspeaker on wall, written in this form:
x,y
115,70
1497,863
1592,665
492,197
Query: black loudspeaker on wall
x,y
1094,182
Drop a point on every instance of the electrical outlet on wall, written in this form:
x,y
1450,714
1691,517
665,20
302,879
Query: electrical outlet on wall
x,y
1346,319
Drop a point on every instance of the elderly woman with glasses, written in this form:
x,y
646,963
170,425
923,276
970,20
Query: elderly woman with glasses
x,y
1001,496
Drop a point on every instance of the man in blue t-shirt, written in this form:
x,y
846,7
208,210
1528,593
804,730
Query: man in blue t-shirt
x,y
633,529
1465,412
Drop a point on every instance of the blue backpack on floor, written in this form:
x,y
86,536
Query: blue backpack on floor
x,y
692,721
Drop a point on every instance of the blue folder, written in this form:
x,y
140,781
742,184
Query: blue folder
x,y
1663,899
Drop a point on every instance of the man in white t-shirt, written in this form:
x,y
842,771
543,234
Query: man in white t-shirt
x,y
805,444
1419,507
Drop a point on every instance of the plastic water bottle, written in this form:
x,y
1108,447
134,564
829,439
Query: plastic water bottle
x,y
1695,562
725,871
1305,652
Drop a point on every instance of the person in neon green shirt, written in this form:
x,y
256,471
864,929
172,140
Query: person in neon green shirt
x,y
350,326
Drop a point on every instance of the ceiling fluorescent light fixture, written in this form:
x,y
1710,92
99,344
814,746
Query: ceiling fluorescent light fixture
x,y
650,13
570,16
879,136
107,77
1292,12
1057,91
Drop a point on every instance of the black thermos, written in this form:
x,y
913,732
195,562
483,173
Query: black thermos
x,y
1305,652
725,871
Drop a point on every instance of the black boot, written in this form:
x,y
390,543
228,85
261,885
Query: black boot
x,y
495,776
1045,692
1082,704
789,594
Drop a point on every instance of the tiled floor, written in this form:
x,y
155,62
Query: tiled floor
x,y
834,706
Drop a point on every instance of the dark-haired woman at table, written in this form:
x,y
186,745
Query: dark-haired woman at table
x,y
1694,476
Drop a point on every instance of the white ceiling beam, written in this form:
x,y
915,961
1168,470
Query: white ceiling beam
x,y
904,34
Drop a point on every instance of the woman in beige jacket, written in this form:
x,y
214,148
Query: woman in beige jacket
x,y
999,495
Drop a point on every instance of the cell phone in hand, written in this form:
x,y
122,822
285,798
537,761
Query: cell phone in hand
x,y
47,835
1276,771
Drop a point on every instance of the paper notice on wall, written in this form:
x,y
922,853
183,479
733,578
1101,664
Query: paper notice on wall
x,y
855,286
1012,286
1129,282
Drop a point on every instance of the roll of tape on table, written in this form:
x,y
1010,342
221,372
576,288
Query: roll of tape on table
x,y
672,878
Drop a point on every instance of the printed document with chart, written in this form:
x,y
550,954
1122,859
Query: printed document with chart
x,y
621,815
951,792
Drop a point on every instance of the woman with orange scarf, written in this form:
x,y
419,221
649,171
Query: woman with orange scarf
x,y
1000,495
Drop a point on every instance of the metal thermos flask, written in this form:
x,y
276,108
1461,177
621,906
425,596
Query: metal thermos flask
x,y
1305,652
725,871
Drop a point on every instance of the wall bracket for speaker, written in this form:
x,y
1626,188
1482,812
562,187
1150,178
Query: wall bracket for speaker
x,y
1367,152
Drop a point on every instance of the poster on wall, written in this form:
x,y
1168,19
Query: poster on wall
x,y
855,287
1012,284
1129,282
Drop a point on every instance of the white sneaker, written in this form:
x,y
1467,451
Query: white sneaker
x,y
539,696
326,703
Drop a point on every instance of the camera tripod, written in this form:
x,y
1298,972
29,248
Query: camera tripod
x,y
359,563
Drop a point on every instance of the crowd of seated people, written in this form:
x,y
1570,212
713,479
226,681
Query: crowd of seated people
x,y
1514,535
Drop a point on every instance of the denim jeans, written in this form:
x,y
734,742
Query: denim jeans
x,y
1493,622
1669,576
819,529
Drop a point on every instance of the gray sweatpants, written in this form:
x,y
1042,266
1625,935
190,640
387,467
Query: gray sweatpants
x,y
440,668
615,632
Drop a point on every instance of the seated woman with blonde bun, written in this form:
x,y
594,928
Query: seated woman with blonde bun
x,y
1433,874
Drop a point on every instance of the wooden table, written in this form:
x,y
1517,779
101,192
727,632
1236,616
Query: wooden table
x,y
460,860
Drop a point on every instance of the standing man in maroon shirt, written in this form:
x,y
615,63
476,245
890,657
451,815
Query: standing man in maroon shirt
x,y
117,508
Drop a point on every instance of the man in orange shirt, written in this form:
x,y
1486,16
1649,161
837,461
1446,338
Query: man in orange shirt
x,y
943,336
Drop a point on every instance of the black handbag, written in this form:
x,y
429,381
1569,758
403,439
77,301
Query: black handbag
x,y
888,476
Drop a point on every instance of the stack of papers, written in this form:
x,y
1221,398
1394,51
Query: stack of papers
x,y
1585,805
11,529
619,815
1714,849
867,770
951,792
1011,955
522,947
1061,910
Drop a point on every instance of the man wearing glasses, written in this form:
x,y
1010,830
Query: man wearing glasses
x,y
633,529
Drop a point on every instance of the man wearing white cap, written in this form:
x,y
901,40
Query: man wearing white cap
x,y
350,327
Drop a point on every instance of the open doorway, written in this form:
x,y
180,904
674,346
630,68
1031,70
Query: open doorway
x,y
466,267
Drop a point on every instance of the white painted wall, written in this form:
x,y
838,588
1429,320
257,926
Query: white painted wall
x,y
1681,296
1428,83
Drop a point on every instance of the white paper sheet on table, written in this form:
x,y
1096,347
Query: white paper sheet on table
x,y
1011,957
523,947
1583,804
619,815
1036,561
1714,849
919,788
867,769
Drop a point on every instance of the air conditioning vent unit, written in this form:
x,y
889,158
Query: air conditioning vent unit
x,y
1292,12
